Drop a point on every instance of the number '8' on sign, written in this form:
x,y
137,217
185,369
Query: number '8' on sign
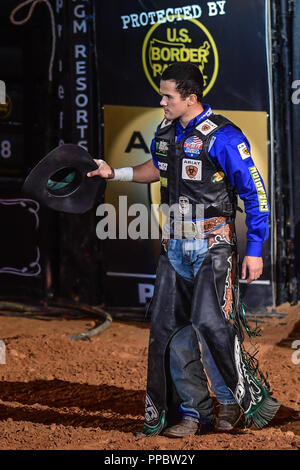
x,y
5,149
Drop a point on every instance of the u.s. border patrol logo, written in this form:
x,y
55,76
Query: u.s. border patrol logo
x,y
180,39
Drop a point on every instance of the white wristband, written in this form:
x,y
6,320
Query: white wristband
x,y
123,174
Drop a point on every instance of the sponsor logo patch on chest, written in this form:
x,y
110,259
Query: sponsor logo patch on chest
x,y
206,127
162,147
217,177
193,146
191,169
162,166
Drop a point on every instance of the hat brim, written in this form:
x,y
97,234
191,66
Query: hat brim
x,y
75,197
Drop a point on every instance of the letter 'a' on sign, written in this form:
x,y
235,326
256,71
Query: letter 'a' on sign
x,y
2,92
137,142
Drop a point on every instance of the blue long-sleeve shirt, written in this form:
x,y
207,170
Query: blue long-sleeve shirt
x,y
230,150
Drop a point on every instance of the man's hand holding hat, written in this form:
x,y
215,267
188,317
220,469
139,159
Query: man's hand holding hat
x,y
103,170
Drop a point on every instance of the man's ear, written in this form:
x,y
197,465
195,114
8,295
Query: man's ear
x,y
192,99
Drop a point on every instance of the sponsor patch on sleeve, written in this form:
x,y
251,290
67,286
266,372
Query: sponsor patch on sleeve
x,y
261,193
191,169
244,152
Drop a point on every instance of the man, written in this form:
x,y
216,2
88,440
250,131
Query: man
x,y
202,161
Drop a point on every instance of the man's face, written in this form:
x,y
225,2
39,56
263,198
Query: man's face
x,y
174,106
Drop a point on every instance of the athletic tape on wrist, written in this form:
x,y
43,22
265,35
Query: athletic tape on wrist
x,y
123,174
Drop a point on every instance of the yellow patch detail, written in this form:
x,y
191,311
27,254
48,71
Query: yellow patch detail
x,y
164,182
261,193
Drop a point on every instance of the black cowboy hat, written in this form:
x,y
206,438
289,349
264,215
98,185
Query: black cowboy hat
x,y
59,180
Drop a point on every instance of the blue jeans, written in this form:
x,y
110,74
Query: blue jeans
x,y
186,256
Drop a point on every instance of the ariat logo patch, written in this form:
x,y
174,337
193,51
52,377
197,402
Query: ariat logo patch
x,y
261,193
191,169
206,127
244,152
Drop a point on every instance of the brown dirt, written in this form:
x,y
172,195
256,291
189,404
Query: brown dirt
x,y
62,394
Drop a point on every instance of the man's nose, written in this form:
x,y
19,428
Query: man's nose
x,y
163,101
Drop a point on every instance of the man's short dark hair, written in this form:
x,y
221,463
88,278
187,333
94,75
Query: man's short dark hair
x,y
188,78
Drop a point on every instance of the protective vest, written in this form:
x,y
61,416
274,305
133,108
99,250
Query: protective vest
x,y
211,303
188,176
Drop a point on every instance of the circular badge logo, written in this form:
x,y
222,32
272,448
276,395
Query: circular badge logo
x,y
193,146
180,41
217,177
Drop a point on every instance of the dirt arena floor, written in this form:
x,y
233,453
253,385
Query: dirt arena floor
x,y
56,393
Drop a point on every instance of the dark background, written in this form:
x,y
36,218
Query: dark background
x,y
239,36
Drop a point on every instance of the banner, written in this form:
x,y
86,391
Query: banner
x,y
74,74
48,66
227,41
76,122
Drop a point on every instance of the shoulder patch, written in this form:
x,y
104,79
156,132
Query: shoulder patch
x,y
261,193
244,152
206,127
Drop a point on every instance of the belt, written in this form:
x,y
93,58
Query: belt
x,y
193,230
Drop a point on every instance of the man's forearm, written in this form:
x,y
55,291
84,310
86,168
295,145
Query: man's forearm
x,y
145,173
